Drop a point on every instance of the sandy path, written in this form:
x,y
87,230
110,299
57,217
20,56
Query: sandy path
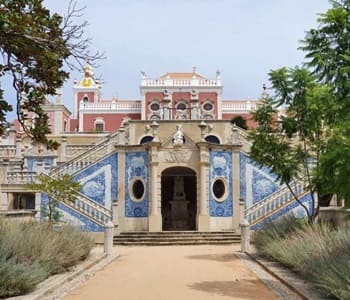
x,y
176,272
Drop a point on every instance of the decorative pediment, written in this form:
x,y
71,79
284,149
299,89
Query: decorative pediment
x,y
178,140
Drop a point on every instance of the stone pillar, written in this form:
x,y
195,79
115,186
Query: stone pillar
x,y
108,237
155,218
115,216
18,148
12,135
4,205
245,236
241,210
38,206
121,190
39,167
194,105
63,157
203,217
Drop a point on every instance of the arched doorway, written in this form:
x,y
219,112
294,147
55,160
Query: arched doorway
x,y
179,199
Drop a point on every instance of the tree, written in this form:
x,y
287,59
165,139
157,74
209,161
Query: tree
x,y
328,52
240,122
292,144
35,45
63,189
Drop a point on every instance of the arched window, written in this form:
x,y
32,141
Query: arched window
x,y
212,139
181,106
146,139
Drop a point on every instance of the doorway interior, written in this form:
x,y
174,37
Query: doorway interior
x,y
179,199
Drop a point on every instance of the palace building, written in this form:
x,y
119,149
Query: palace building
x,y
170,160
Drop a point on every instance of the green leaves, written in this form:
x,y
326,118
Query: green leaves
x,y
34,46
291,126
61,189
33,51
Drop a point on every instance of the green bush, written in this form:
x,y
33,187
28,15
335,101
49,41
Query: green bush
x,y
274,231
31,251
17,279
319,252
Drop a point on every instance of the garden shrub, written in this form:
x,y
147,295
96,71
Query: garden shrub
x,y
319,252
31,251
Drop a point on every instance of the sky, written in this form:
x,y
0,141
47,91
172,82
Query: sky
x,y
244,39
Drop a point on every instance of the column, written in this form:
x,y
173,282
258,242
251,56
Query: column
x,y
4,205
38,206
122,225
18,148
203,217
155,218
154,169
63,149
238,211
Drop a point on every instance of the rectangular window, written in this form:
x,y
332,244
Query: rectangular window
x,y
99,127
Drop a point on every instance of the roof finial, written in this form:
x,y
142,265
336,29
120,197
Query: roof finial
x,y
264,93
193,70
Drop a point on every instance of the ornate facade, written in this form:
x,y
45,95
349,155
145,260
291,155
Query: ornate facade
x,y
171,160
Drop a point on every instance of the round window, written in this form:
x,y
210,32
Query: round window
x,y
219,189
181,106
155,106
208,106
138,189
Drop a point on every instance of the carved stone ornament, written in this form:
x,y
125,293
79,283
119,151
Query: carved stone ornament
x,y
178,138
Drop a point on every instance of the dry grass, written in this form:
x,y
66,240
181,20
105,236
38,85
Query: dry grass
x,y
32,251
319,252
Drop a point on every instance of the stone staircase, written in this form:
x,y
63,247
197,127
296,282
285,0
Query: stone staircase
x,y
87,158
84,205
166,238
273,203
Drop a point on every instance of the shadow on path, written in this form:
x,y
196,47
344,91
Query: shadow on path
x,y
215,257
239,289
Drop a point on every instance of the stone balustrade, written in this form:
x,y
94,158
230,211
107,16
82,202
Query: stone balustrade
x,y
75,150
239,106
20,177
195,82
267,206
88,157
116,106
7,151
19,215
92,209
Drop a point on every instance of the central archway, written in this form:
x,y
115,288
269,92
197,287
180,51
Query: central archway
x,y
179,199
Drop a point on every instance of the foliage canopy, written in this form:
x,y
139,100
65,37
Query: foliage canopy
x,y
34,47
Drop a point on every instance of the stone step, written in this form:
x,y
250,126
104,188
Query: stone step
x,y
176,238
178,233
175,243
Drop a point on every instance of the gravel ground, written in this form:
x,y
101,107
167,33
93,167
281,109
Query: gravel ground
x,y
174,272
274,284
